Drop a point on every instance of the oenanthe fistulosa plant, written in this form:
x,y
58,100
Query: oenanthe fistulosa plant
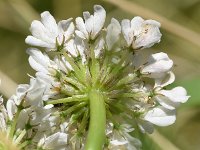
x,y
92,87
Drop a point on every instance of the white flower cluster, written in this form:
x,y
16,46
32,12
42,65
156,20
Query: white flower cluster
x,y
53,111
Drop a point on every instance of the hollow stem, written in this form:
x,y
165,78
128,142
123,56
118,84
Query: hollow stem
x,y
97,125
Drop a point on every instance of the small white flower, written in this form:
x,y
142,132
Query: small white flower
x,y
92,25
122,141
113,33
171,99
140,33
21,93
71,47
41,62
56,141
46,33
52,86
99,46
160,116
46,126
62,64
35,92
120,138
157,66
40,114
23,118
11,108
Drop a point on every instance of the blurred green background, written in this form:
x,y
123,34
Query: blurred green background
x,y
181,40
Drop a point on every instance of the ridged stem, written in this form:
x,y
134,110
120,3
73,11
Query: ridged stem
x,y
97,125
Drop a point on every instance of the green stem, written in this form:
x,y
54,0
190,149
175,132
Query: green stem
x,y
75,98
16,116
73,108
14,123
97,125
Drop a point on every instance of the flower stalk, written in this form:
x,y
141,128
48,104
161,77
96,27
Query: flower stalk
x,y
97,126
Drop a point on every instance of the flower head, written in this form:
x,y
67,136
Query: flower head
x,y
89,79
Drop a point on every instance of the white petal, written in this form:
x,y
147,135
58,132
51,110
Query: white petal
x,y
37,60
98,20
147,35
165,102
50,23
160,116
66,27
88,21
60,64
35,92
23,119
11,108
31,40
71,48
63,64
158,56
63,25
56,140
166,80
113,32
40,32
21,92
66,63
99,45
118,143
81,35
81,27
136,25
82,49
158,65
177,94
49,106
127,31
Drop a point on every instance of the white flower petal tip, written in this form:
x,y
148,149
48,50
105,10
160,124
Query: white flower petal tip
x,y
38,60
171,99
99,20
93,23
158,65
177,94
49,22
168,79
141,33
113,33
161,116
127,31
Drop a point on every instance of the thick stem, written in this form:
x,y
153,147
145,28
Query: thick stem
x,y
97,126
